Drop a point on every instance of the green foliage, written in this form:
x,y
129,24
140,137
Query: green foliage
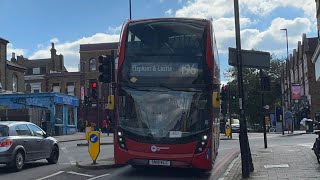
x,y
252,93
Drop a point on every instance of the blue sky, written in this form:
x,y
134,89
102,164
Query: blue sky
x,y
30,25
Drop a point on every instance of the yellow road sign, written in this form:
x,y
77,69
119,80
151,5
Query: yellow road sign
x,y
94,145
267,119
110,105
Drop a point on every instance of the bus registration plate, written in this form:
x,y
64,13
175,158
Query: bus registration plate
x,y
159,162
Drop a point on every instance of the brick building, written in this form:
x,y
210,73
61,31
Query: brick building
x,y
301,71
11,73
49,75
89,68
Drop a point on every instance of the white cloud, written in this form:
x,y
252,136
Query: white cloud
x,y
168,12
70,50
206,9
269,39
11,49
114,30
263,7
224,8
54,40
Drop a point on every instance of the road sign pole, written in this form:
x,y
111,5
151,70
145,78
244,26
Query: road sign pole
x,y
247,165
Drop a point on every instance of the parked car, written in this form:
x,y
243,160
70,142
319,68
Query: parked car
x,y
22,142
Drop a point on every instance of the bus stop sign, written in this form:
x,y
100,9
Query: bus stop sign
x,y
94,145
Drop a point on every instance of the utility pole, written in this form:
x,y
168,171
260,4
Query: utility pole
x,y
130,8
246,159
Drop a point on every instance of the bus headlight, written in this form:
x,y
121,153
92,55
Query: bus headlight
x,y
202,144
122,141
204,137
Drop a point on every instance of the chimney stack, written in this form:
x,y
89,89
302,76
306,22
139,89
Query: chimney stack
x,y
13,58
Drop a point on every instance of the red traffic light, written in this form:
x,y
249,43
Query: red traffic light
x,y
94,85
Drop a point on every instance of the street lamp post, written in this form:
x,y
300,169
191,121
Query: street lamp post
x,y
288,74
130,8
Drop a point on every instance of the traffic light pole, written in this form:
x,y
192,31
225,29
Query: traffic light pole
x,y
246,159
263,111
229,106
98,105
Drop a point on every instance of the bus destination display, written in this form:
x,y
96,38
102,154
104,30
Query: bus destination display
x,y
164,69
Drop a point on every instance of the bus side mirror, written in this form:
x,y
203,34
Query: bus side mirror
x,y
215,100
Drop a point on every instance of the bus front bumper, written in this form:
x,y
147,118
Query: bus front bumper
x,y
199,161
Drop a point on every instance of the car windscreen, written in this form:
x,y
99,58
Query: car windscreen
x,y
4,131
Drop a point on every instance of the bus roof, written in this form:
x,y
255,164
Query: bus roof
x,y
170,19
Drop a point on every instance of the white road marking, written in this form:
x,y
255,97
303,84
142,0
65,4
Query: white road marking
x,y
54,174
80,174
308,145
69,163
276,166
99,176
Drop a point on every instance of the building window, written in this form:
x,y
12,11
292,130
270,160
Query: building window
x,y
35,87
36,70
93,65
71,115
29,71
56,88
43,70
70,90
59,114
14,83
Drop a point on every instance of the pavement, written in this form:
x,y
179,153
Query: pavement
x,y
278,162
236,135
258,155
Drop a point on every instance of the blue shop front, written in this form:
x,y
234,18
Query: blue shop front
x,y
60,110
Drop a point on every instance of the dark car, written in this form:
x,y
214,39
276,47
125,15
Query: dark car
x,y
22,142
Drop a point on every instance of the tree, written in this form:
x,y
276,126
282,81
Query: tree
x,y
252,93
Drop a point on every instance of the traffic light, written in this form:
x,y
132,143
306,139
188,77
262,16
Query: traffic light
x,y
224,99
87,102
94,93
105,68
233,97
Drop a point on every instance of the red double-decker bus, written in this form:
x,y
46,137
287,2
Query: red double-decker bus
x,y
167,104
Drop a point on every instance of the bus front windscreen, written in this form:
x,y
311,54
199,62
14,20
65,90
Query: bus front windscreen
x,y
169,52
163,82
